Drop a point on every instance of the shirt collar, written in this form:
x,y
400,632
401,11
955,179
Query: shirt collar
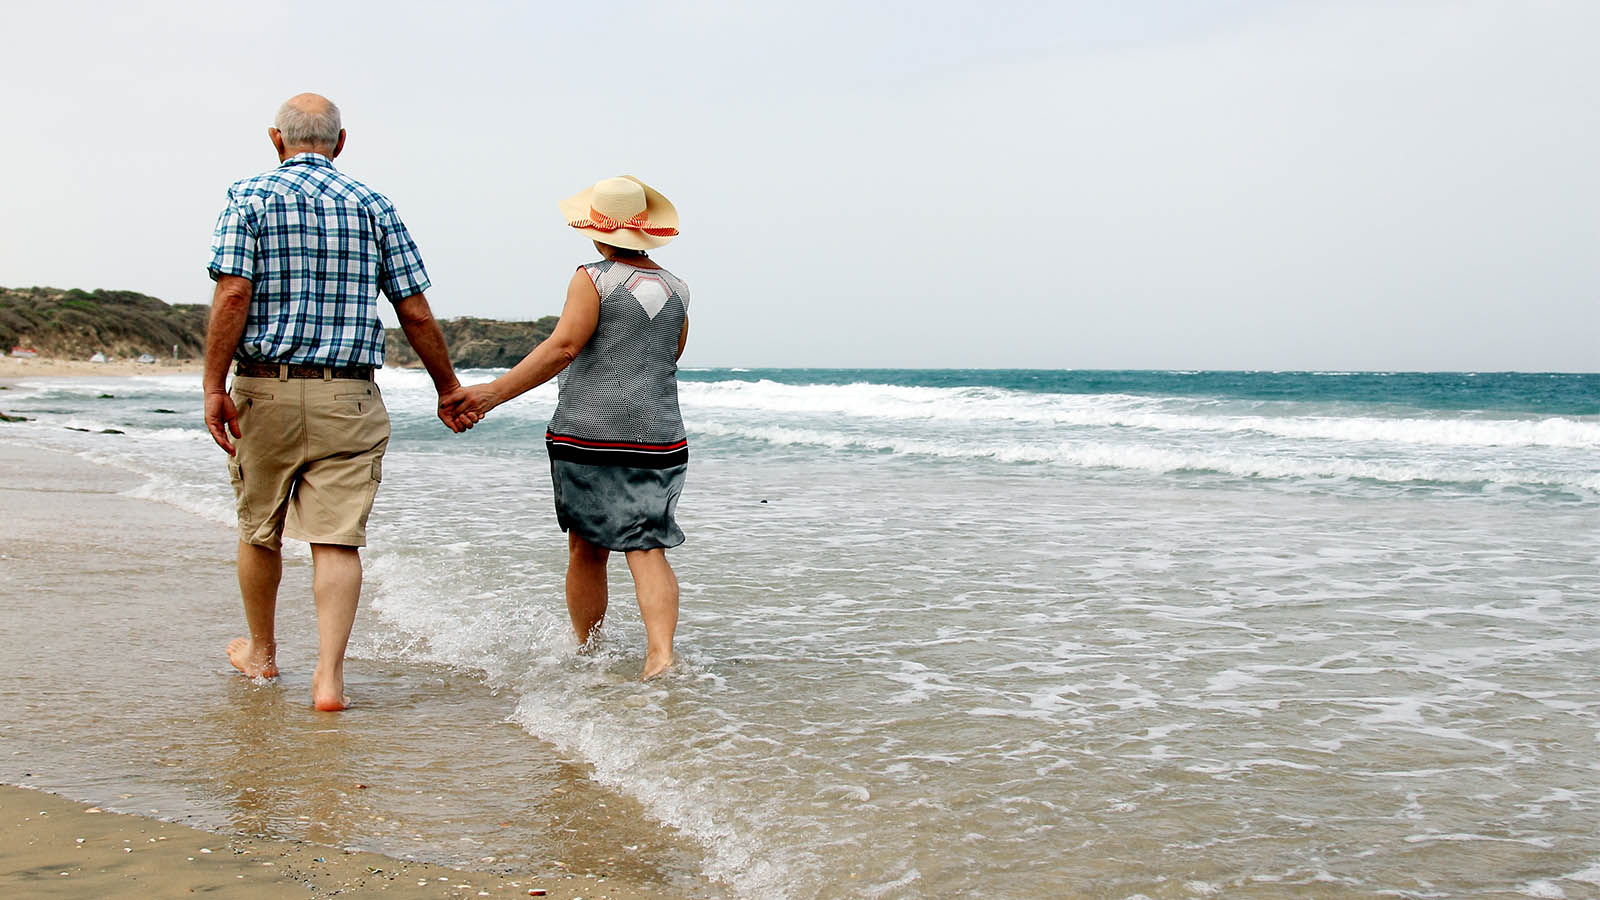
x,y
307,159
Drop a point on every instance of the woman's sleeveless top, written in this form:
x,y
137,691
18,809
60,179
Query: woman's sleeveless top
x,y
619,396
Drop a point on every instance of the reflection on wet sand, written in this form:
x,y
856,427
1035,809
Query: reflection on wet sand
x,y
420,756
424,766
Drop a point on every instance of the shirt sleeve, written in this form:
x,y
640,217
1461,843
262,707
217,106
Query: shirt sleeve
x,y
403,274
233,242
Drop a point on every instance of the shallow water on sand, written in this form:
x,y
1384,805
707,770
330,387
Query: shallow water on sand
x,y
117,692
1169,647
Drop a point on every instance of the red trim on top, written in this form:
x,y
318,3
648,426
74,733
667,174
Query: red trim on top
x,y
563,439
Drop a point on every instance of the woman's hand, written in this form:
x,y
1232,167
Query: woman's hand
x,y
464,407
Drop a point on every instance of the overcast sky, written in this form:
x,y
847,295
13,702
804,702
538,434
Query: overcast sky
x,y
1230,184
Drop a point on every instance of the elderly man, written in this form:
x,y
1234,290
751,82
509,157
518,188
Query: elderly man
x,y
299,256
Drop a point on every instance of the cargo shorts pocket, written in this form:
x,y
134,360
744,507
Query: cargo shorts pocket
x,y
372,490
241,503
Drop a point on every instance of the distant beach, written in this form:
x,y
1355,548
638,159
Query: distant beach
x,y
43,366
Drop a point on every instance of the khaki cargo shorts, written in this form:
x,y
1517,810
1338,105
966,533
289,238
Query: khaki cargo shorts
x,y
308,459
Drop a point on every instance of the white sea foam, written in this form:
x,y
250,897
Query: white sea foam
x,y
207,504
1590,875
1158,459
576,704
976,405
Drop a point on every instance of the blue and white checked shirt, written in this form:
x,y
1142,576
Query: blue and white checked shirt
x,y
318,246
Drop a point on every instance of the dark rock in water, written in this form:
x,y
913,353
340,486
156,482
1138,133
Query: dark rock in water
x,y
6,418
111,431
108,396
165,412
84,430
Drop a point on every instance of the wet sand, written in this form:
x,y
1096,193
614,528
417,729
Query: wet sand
x,y
117,610
53,847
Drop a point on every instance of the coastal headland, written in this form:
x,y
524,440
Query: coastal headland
x,y
65,327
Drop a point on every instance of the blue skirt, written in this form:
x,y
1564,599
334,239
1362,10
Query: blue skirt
x,y
618,507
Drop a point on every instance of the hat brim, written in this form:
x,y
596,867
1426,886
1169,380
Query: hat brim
x,y
658,211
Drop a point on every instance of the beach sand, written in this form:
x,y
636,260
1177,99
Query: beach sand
x,y
116,610
53,847
41,366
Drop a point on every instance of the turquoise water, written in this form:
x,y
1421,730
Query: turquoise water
x,y
1554,393
1019,634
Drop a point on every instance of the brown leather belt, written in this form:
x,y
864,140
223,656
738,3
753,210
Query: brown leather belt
x,y
251,369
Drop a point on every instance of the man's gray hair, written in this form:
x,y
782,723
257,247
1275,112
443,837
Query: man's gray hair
x,y
304,128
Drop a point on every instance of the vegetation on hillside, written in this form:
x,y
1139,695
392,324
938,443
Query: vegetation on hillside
x,y
74,324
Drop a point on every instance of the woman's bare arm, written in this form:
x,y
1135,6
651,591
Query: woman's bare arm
x,y
578,319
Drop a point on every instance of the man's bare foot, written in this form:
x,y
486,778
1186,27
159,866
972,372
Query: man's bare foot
x,y
655,665
327,691
253,661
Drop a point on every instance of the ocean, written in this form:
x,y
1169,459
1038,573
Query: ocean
x,y
1011,634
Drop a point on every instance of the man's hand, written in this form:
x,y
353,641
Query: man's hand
x,y
460,409
222,418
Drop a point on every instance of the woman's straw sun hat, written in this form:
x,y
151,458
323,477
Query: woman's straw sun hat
x,y
623,212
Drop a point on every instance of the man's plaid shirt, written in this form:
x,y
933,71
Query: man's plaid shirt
x,y
318,246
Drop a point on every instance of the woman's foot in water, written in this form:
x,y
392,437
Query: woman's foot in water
x,y
656,664
327,691
253,661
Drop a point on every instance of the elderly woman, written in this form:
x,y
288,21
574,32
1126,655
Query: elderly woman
x,y
617,448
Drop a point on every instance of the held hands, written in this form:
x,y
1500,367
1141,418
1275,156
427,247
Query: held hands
x,y
222,419
460,408
463,407
456,409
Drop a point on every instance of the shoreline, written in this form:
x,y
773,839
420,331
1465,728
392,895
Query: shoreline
x,y
194,751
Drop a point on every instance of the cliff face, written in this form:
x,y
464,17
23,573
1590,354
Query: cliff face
x,y
477,343
74,324
77,324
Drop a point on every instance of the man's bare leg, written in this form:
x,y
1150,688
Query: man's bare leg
x,y
260,570
657,587
587,594
336,582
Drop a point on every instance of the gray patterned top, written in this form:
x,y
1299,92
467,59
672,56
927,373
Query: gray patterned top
x,y
619,396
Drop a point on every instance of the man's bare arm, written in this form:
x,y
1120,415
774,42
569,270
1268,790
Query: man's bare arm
x,y
230,306
423,333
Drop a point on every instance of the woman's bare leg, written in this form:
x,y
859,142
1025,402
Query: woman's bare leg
x,y
657,587
586,585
